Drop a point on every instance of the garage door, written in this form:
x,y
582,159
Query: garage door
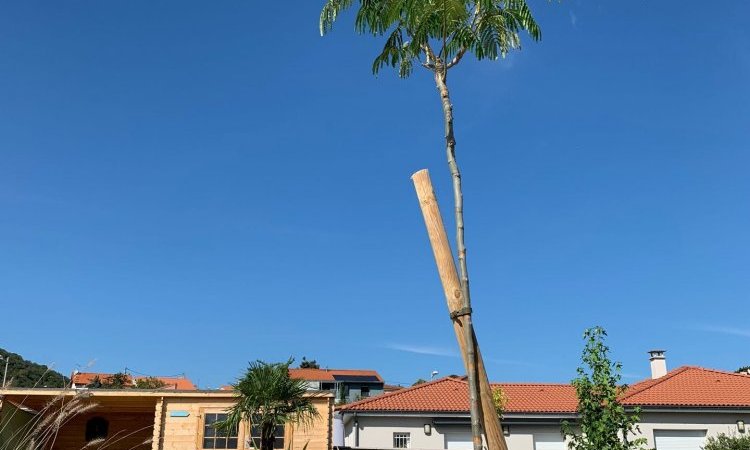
x,y
679,439
458,440
549,441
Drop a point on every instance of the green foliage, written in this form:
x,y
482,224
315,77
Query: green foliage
x,y
95,383
500,400
727,442
148,383
413,28
266,397
603,420
308,364
743,369
419,381
27,374
117,380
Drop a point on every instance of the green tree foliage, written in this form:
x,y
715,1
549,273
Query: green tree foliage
x,y
308,364
419,381
603,423
148,383
266,397
117,380
95,383
27,374
727,442
743,369
437,33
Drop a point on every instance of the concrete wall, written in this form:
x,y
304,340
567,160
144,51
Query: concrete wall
x,y
377,432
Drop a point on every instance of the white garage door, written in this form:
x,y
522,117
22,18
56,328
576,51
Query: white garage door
x,y
458,440
679,439
549,441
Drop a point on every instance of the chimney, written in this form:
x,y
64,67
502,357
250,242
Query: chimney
x,y
658,363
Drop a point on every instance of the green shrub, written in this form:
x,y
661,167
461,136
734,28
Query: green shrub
x,y
728,442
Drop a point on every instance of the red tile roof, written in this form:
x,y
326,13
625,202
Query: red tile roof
x,y
178,383
683,387
327,374
692,386
450,394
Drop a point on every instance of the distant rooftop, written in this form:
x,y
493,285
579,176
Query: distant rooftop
x,y
177,383
354,375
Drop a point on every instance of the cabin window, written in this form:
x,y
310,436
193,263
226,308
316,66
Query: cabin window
x,y
215,438
278,442
401,440
364,392
96,428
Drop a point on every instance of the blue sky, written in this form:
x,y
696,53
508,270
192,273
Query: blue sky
x,y
187,186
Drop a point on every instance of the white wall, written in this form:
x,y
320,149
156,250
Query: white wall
x,y
377,432
713,423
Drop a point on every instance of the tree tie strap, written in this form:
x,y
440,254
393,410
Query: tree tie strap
x,y
465,311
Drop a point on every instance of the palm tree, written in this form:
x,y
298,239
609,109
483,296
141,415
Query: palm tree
x,y
267,397
437,34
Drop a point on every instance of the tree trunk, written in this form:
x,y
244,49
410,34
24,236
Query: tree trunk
x,y
471,366
267,436
446,266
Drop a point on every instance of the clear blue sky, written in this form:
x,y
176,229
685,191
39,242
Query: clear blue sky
x,y
186,186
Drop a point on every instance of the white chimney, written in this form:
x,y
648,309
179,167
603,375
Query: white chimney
x,y
658,363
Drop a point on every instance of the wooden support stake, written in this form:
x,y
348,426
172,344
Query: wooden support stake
x,y
452,289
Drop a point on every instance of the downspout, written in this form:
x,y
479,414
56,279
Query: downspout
x,y
356,430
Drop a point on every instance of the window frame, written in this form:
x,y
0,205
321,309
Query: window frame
x,y
201,444
278,443
403,436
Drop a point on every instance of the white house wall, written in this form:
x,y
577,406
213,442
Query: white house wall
x,y
376,432
714,423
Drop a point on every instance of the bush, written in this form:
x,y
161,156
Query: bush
x,y
728,442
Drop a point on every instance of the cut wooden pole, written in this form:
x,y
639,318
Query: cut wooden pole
x,y
453,295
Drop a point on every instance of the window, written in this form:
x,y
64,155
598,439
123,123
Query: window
x,y
213,438
278,434
327,386
401,440
96,428
364,392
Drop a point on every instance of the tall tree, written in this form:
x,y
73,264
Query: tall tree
x,y
266,397
437,34
308,364
603,422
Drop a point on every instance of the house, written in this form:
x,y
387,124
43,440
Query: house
x,y
156,419
347,385
679,410
80,380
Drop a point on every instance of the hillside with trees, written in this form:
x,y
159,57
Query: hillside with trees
x,y
25,373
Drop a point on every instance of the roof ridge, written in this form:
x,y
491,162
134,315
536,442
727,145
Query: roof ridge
x,y
399,392
648,384
723,372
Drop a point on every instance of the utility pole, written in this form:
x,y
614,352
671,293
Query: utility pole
x,y
5,373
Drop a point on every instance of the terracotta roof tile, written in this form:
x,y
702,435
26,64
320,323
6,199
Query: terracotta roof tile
x,y
682,387
178,383
692,386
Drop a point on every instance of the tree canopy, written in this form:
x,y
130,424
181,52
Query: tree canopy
x,y
28,374
308,364
437,33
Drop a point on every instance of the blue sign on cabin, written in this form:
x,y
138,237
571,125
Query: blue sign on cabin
x,y
179,414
